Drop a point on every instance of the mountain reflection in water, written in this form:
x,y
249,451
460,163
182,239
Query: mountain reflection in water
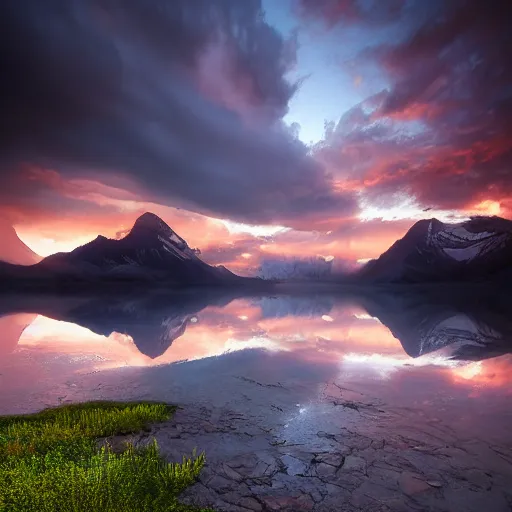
x,y
207,323
381,331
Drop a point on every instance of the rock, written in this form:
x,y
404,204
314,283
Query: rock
x,y
220,484
302,503
398,505
422,448
294,466
411,483
326,435
434,483
349,480
333,459
478,478
353,463
325,470
251,504
231,474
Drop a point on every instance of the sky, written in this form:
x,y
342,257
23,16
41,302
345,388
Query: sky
x,y
255,129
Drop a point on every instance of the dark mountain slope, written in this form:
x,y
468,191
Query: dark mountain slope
x,y
151,248
475,250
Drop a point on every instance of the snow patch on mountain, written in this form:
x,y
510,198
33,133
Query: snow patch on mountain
x,y
173,249
462,244
463,253
458,231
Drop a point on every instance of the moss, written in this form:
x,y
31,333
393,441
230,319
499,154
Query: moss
x,y
50,461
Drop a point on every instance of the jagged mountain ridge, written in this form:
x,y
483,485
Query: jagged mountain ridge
x,y
477,249
151,247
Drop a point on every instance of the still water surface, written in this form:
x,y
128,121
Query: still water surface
x,y
432,359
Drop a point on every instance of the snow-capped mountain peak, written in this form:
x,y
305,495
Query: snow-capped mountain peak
x,y
150,226
151,222
150,248
433,250
464,241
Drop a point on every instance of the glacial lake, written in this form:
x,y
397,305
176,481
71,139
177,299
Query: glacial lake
x,y
405,388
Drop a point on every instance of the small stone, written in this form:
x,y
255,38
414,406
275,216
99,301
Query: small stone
x,y
220,484
326,435
353,463
293,465
478,478
302,503
251,504
434,483
231,473
325,470
333,459
421,448
410,483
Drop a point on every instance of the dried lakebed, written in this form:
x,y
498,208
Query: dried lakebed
x,y
358,454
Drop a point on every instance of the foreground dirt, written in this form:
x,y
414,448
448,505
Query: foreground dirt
x,y
251,466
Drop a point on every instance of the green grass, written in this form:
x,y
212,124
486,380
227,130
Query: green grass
x,y
51,461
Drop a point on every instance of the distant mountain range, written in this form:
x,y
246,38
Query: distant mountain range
x,y
13,250
431,251
479,249
150,251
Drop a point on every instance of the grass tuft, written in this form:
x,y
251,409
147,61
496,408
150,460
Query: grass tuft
x,y
50,461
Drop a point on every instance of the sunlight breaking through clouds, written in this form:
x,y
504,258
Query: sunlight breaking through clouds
x,y
408,210
236,227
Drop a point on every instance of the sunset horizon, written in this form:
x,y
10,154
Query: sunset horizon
x,y
268,250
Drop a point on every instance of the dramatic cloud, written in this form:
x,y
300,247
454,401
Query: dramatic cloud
x,y
113,108
441,131
352,11
181,100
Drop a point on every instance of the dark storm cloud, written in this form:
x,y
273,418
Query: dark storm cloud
x,y
184,97
352,11
442,131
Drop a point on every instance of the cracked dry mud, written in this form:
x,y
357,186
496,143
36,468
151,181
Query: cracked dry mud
x,y
379,463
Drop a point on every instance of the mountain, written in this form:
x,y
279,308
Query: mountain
x,y
150,251
474,250
13,250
